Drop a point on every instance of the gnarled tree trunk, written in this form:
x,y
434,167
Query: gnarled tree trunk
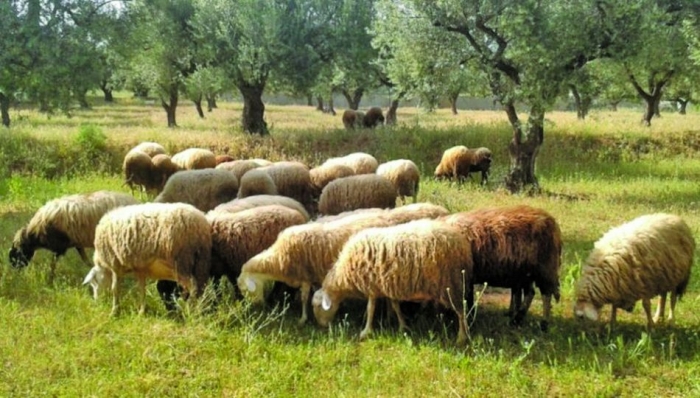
x,y
331,107
5,109
453,102
198,105
391,113
253,120
614,104
523,148
354,98
211,102
107,91
171,105
583,103
653,97
319,103
682,105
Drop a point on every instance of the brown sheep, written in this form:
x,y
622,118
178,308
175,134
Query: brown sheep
x,y
163,168
514,247
353,119
138,170
373,118
457,162
223,159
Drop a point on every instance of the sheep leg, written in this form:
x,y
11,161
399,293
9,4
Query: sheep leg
x,y
646,303
115,294
402,321
142,294
52,269
305,293
674,298
370,317
529,293
659,315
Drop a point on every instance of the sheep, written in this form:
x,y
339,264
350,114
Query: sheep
x,y
218,159
416,211
353,119
356,192
250,202
302,255
165,241
648,256
240,167
195,159
322,175
457,162
359,162
405,176
163,168
64,223
256,182
150,148
514,247
373,118
424,260
292,179
138,170
204,189
237,237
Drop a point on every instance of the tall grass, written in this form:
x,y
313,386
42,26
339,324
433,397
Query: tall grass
x,y
596,174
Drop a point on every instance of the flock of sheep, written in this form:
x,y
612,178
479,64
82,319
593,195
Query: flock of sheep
x,y
334,232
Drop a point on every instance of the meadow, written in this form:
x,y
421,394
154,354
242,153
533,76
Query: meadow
x,y
55,340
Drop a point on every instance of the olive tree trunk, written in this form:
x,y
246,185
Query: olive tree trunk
x,y
391,113
653,97
453,102
523,148
319,103
5,109
682,105
354,98
198,105
170,105
582,102
211,102
253,120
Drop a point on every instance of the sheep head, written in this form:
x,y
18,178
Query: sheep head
x,y
325,307
22,250
98,278
253,287
586,309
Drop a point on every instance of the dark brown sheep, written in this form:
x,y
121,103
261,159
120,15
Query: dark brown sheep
x,y
515,247
373,118
353,119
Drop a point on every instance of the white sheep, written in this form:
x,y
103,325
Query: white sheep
x,y
405,176
357,192
63,223
292,179
195,159
359,162
204,189
256,182
324,174
150,148
648,256
250,202
424,260
164,241
240,167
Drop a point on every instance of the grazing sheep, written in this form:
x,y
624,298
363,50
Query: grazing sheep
x,y
204,189
163,168
416,211
250,202
457,162
322,175
514,247
373,118
195,159
292,179
423,260
138,170
165,241
353,119
62,223
240,167
302,255
359,162
325,219
256,182
223,159
237,237
648,256
150,148
405,176
357,192
480,162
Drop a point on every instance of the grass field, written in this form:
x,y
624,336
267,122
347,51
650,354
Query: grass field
x,y
56,341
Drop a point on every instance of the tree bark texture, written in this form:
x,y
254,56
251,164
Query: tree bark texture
x,y
393,107
524,148
171,106
354,98
5,109
453,103
582,102
107,92
198,105
253,120
331,106
682,105
653,97
319,103
211,102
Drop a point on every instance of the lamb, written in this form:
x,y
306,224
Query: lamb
x,y
256,182
424,260
373,118
150,148
250,202
514,247
322,175
353,119
356,192
359,162
648,256
405,176
165,241
237,237
195,159
64,223
302,255
138,170
457,162
163,169
204,189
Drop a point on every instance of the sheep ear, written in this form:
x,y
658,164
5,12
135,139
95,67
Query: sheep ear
x,y
89,277
325,302
250,285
